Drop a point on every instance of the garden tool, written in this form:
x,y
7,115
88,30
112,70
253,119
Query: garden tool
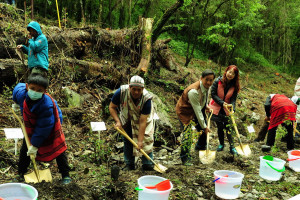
x,y
242,149
157,167
161,186
36,176
207,156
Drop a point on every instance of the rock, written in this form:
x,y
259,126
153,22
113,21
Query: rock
x,y
199,192
275,198
119,145
255,117
117,157
162,153
249,196
285,195
73,98
254,191
87,152
292,179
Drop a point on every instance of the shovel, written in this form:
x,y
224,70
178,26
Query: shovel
x,y
157,167
36,176
207,156
242,149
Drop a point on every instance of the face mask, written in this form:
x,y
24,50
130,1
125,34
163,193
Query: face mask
x,y
33,95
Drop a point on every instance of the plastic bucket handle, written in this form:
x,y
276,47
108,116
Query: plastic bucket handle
x,y
293,159
278,170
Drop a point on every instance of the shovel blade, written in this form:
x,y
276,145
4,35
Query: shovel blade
x,y
44,175
207,156
243,150
159,168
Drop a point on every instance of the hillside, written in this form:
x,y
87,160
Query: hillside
x,y
92,70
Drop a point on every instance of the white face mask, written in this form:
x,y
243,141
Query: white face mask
x,y
33,95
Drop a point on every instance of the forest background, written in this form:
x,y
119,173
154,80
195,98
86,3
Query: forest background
x,y
257,32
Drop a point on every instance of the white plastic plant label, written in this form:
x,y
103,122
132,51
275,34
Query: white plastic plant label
x,y
250,128
13,133
98,126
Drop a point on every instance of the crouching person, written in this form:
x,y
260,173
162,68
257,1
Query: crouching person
x,y
280,110
136,118
43,119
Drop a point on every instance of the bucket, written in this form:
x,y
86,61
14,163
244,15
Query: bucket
x,y
228,185
271,168
150,194
294,155
12,191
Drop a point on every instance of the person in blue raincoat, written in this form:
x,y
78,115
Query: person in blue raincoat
x,y
42,118
37,49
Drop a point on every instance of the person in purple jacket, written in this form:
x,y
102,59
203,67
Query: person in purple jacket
x,y
43,119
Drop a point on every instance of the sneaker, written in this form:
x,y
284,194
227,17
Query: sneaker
x,y
233,151
265,148
148,167
220,147
66,180
129,167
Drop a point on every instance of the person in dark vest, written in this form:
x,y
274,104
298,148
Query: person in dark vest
x,y
43,119
136,118
224,93
191,107
280,110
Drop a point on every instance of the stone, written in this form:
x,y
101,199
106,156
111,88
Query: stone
x,y
249,196
119,145
87,152
254,191
255,117
199,192
162,152
285,195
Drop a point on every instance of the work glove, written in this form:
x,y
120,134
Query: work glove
x,y
32,151
15,107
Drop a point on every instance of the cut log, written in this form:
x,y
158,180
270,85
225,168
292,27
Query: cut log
x,y
145,25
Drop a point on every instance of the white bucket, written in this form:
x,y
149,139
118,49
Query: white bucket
x,y
152,194
12,191
271,170
295,165
228,187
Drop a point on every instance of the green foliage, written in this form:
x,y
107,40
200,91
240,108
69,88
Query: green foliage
x,y
218,34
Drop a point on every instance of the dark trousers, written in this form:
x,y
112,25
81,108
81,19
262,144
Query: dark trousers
x,y
128,150
24,161
289,137
187,141
221,127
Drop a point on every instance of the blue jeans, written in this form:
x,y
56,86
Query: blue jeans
x,y
128,150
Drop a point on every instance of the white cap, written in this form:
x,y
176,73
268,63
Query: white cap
x,y
137,81
295,99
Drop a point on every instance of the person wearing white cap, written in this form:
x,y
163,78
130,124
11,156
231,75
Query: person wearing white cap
x,y
136,118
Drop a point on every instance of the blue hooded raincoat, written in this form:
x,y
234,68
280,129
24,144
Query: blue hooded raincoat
x,y
38,48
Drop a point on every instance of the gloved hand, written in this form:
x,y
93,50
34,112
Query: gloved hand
x,y
15,107
32,151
